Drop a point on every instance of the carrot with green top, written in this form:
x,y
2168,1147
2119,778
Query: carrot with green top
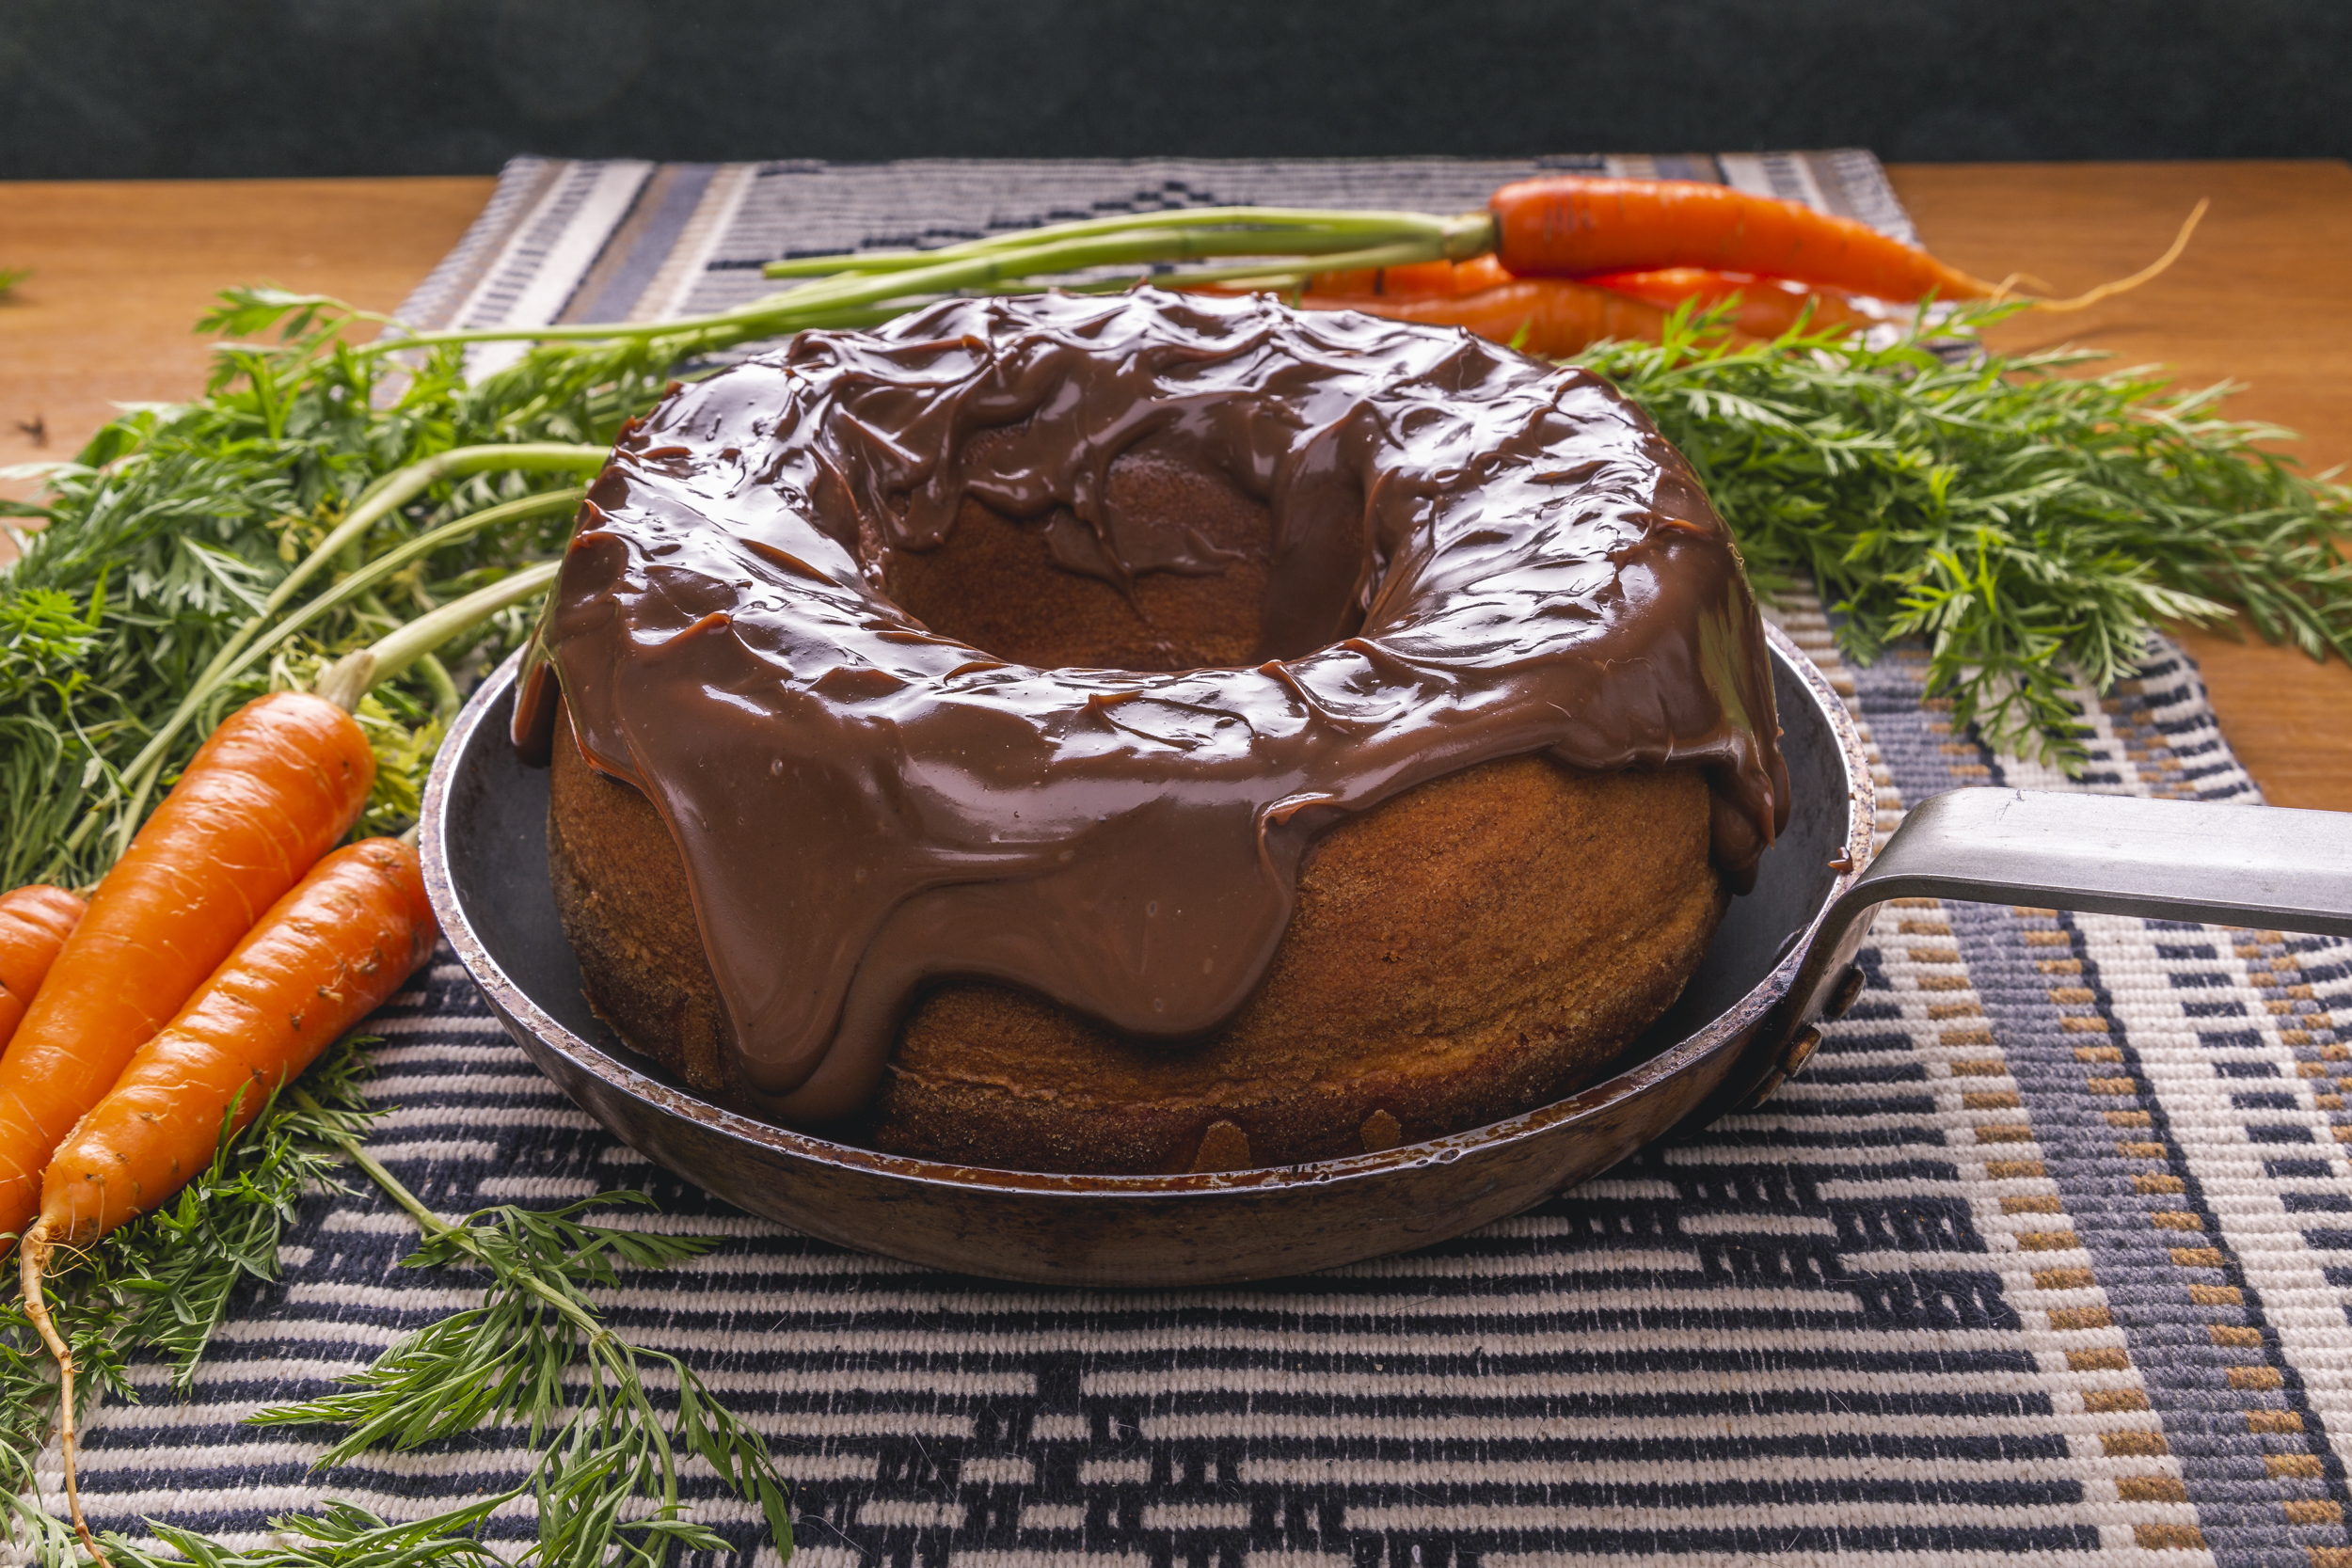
x,y
34,923
302,948
273,789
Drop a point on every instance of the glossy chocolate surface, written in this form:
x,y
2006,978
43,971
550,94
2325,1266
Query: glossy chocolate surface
x,y
1473,555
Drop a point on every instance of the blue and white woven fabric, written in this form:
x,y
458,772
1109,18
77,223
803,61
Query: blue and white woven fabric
x,y
2048,1253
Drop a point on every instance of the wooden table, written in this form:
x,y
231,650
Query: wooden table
x,y
121,270
2258,298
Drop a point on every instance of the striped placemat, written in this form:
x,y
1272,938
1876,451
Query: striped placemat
x,y
2048,1253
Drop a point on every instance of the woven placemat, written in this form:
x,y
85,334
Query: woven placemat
x,y
2047,1253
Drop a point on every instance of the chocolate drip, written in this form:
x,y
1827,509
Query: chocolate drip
x,y
1473,555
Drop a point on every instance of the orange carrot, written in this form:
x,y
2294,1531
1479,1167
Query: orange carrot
x,y
1550,316
1422,278
34,923
1579,226
325,956
1766,306
272,790
322,958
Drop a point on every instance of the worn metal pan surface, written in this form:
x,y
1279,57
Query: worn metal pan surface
x,y
1746,1020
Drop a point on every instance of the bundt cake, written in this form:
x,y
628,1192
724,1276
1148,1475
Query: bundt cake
x,y
1146,732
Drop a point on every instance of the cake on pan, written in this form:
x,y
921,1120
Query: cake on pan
x,y
1147,733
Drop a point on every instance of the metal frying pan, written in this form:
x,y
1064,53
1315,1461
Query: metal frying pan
x,y
1781,961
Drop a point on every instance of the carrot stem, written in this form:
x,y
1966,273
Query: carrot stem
x,y
352,676
858,284
437,1228
140,779
1277,276
378,501
406,485
447,699
382,566
427,1221
1312,227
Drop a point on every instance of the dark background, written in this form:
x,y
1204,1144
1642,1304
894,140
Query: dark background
x,y
211,87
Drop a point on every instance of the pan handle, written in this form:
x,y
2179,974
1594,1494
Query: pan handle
x,y
2267,867
2271,867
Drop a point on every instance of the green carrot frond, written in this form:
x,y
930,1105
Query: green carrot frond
x,y
2032,526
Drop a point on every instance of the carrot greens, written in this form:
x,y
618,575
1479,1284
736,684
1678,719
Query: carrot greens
x,y
2033,527
606,1480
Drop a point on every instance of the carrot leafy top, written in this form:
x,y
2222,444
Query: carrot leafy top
x,y
2032,523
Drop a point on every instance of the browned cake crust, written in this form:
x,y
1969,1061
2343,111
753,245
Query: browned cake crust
x,y
1473,948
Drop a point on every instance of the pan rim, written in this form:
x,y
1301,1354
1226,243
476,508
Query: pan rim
x,y
520,1010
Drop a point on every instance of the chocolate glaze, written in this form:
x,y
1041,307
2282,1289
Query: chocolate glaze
x,y
1475,555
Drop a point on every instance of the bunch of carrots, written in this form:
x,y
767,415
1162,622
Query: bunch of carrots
x,y
1553,264
1578,259
223,952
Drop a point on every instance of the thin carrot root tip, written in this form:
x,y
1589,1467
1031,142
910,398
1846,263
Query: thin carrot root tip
x,y
2148,274
2009,288
33,1254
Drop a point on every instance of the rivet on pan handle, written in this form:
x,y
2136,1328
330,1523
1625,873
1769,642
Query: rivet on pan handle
x,y
1791,1062
2270,868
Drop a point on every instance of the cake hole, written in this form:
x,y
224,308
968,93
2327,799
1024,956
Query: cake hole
x,y
1046,591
